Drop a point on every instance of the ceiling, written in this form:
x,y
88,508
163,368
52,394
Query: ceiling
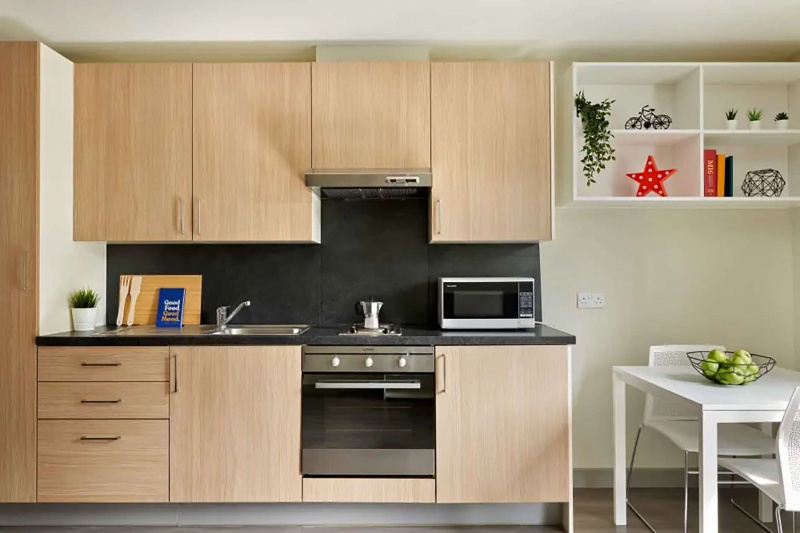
x,y
710,30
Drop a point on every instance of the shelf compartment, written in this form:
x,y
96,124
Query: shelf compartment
x,y
752,137
747,157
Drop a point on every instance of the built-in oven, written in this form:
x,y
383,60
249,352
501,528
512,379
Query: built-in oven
x,y
368,411
486,303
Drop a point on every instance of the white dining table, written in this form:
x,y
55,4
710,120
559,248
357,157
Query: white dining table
x,y
763,401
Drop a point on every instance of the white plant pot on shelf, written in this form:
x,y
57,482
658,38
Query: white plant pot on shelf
x,y
733,124
755,124
782,124
84,319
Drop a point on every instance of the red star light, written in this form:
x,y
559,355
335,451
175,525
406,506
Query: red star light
x,y
651,179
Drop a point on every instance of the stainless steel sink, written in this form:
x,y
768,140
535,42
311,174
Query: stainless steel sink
x,y
272,329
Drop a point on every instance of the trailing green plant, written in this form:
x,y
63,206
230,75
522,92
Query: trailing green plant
x,y
783,115
597,149
754,114
83,299
731,113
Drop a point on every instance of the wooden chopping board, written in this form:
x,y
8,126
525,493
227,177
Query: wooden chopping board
x,y
147,303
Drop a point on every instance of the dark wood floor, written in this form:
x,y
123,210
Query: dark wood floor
x,y
593,514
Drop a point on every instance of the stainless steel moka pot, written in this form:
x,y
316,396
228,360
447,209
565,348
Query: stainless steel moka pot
x,y
370,310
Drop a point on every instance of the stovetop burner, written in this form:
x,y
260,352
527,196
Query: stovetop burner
x,y
382,330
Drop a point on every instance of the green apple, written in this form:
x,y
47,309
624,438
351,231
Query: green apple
x,y
740,362
744,354
718,356
751,377
751,370
709,367
731,378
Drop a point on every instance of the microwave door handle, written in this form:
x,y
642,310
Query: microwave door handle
x,y
380,385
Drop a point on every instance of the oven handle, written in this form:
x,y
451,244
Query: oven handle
x,y
383,385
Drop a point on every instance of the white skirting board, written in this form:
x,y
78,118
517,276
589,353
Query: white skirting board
x,y
277,514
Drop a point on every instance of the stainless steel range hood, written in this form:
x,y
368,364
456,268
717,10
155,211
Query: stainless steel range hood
x,y
370,184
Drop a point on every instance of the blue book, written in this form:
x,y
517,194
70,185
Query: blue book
x,y
729,176
170,308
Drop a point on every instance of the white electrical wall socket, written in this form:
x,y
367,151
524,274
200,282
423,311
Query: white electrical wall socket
x,y
591,300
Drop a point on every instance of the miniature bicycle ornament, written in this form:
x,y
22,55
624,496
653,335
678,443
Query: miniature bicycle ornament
x,y
648,119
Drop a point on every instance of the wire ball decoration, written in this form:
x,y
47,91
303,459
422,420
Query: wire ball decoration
x,y
766,182
648,119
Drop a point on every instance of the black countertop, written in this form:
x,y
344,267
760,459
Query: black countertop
x,y
317,335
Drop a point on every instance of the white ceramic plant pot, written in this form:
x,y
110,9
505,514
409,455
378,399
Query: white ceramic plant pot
x,y
733,124
755,124
84,319
782,124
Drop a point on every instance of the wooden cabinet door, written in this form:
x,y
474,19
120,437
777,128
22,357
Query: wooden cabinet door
x,y
133,152
503,424
491,152
371,115
252,147
19,130
235,424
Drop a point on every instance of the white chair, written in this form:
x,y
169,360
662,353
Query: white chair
x,y
680,425
778,478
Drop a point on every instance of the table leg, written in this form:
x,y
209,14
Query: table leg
x,y
764,501
709,497
620,489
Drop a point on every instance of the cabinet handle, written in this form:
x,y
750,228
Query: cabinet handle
x,y
175,372
101,364
197,214
438,216
101,439
118,400
24,271
180,215
443,374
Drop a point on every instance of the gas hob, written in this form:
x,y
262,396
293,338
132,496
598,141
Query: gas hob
x,y
384,330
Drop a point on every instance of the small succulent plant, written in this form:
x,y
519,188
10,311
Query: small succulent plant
x,y
755,114
731,113
783,115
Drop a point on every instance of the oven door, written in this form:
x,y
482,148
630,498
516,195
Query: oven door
x,y
473,304
368,425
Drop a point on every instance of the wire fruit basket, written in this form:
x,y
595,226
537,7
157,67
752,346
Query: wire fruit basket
x,y
731,371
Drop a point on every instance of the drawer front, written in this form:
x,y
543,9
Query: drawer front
x,y
103,363
104,400
392,490
76,464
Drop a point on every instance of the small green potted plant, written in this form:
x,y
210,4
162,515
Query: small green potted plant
x,y
730,114
754,116
597,149
782,120
83,303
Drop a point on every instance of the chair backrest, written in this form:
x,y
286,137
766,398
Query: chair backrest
x,y
671,355
788,453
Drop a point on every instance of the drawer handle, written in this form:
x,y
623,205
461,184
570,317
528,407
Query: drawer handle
x,y
101,364
118,400
101,439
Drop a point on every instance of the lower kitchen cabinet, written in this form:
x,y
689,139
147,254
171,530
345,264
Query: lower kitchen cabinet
x,y
235,424
503,430
107,461
369,490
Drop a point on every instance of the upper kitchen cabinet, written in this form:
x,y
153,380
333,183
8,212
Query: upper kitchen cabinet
x,y
252,146
133,152
371,115
491,151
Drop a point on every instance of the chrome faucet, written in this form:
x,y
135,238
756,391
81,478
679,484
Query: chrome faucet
x,y
223,317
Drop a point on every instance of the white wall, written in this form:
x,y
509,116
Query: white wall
x,y
64,265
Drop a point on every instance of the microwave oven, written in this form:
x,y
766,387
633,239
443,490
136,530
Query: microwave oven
x,y
486,303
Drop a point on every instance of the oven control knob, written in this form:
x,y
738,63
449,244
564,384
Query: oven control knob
x,y
402,362
368,362
335,362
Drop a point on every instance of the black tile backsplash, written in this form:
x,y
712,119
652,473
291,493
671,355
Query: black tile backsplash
x,y
375,249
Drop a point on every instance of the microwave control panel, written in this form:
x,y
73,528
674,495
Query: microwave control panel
x,y
526,299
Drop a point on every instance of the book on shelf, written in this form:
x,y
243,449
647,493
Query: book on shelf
x,y
709,172
729,176
720,174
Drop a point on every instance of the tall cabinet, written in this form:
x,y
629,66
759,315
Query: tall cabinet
x,y
491,148
19,176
